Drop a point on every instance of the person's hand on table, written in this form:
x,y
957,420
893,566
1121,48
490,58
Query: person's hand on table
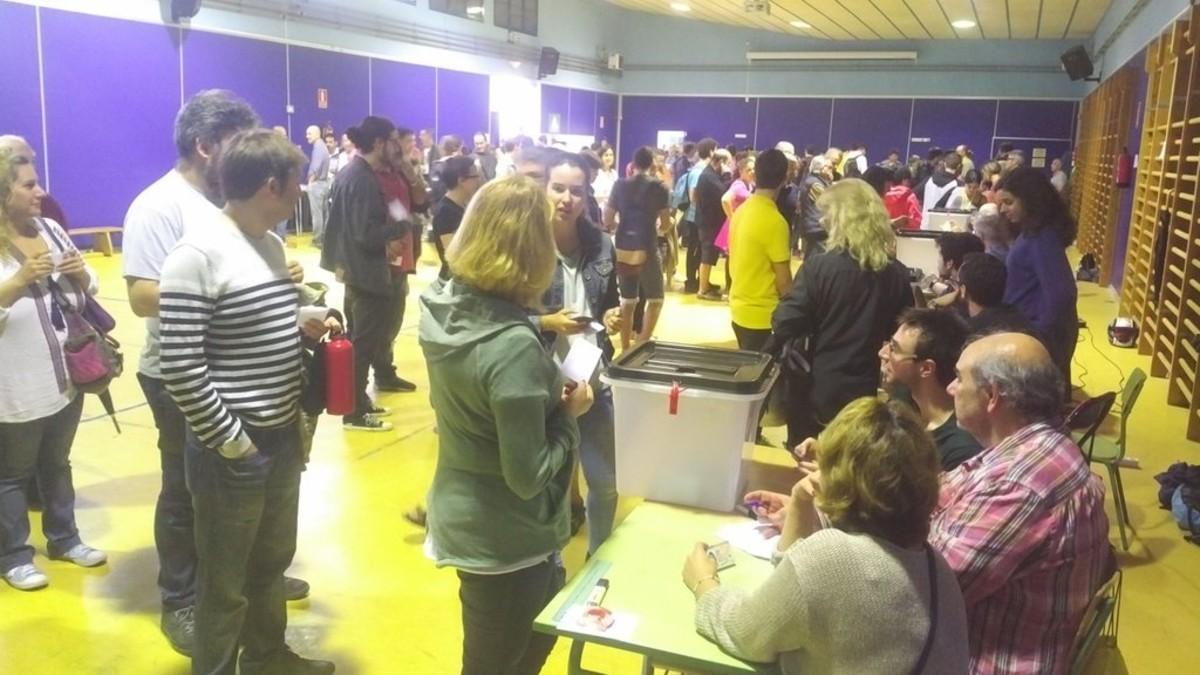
x,y
295,271
561,323
700,571
770,507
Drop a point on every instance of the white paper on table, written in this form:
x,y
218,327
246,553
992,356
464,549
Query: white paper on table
x,y
309,313
752,537
582,361
622,628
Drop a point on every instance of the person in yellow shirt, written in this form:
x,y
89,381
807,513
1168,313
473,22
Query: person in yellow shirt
x,y
759,259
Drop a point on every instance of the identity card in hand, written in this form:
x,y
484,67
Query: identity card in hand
x,y
581,361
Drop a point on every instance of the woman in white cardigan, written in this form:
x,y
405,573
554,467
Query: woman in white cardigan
x,y
39,408
866,595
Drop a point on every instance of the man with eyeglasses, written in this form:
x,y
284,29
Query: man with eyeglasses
x,y
919,361
461,177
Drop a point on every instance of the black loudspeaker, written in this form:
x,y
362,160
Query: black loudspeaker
x,y
548,62
182,9
1077,63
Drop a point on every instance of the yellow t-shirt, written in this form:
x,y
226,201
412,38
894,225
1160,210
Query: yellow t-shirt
x,y
758,237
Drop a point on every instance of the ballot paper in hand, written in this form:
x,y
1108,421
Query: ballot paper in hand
x,y
582,361
755,538
312,312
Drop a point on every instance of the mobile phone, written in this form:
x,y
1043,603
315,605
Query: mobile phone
x,y
582,318
721,553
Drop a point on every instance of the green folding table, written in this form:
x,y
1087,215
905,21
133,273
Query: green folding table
x,y
642,561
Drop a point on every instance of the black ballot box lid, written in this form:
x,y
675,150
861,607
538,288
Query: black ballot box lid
x,y
712,368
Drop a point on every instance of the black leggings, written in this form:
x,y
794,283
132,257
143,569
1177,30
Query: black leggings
x,y
497,614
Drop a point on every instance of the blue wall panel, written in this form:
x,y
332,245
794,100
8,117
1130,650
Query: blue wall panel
x,y
92,118
723,118
607,106
253,69
581,118
345,76
948,123
1035,119
556,101
801,121
401,93
20,91
462,103
879,123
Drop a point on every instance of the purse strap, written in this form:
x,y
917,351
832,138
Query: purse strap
x,y
933,613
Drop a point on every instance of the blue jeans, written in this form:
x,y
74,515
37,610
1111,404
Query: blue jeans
x,y
174,535
598,456
245,538
42,446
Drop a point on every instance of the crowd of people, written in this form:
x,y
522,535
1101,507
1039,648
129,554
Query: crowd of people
x,y
951,498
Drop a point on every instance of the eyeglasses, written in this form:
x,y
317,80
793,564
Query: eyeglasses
x,y
893,350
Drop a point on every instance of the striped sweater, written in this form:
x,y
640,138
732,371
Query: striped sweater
x,y
230,343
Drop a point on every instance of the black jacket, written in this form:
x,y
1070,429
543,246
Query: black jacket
x,y
808,216
598,262
359,229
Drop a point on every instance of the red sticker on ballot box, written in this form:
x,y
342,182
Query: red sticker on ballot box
x,y
673,398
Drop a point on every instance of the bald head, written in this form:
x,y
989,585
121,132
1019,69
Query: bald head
x,y
1005,381
17,146
312,134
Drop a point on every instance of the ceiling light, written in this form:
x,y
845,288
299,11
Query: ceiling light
x,y
800,24
681,7
963,23
515,64
475,10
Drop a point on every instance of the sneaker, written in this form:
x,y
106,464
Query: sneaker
x,y
710,295
691,287
180,628
366,422
294,589
83,555
394,383
26,578
379,411
417,516
287,663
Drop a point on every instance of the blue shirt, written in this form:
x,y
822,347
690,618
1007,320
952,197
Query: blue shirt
x,y
692,179
1040,285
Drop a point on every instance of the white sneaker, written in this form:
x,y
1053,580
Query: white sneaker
x,y
367,422
26,578
84,556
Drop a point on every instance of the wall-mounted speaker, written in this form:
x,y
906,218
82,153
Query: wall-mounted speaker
x,y
174,10
1077,63
547,62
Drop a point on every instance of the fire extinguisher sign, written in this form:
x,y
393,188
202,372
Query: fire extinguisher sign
x,y
322,99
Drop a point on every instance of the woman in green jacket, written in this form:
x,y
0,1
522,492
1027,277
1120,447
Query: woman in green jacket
x,y
507,436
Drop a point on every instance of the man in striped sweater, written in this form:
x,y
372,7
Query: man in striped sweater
x,y
231,362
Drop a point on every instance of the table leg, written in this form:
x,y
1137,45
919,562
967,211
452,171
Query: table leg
x,y
104,243
575,660
647,667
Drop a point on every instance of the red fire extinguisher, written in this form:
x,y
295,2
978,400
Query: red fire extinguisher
x,y
339,376
1123,172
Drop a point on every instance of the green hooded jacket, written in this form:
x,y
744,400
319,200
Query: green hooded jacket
x,y
506,446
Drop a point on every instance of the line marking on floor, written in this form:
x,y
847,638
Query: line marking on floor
x,y
398,440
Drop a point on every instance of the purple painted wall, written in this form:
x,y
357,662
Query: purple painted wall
x,y
801,121
462,103
556,101
345,77
1036,119
1125,206
400,92
948,123
92,117
607,106
642,117
581,115
880,123
253,69
20,109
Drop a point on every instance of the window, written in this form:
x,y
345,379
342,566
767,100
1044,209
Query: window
x,y
467,9
518,15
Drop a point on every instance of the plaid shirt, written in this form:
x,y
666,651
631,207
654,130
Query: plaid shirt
x,y
1022,524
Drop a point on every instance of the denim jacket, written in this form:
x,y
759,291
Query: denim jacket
x,y
599,265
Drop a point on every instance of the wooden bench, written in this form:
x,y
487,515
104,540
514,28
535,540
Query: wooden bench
x,y
103,237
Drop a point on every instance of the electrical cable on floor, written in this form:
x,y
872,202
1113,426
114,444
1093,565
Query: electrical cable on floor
x,y
1091,340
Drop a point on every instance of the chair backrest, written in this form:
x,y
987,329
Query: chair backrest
x,y
1095,618
1129,396
1088,416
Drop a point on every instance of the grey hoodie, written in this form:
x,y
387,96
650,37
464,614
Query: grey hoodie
x,y
506,446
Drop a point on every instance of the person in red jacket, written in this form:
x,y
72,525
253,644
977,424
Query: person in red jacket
x,y
902,204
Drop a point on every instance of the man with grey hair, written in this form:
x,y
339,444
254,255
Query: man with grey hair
x,y
1022,523
318,183
157,219
808,217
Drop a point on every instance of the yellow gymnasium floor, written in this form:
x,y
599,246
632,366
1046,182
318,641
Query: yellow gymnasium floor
x,y
379,607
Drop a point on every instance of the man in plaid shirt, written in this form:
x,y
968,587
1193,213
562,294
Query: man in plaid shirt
x,y
1022,524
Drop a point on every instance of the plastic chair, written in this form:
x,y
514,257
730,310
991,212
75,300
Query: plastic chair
x,y
1087,418
1109,452
1100,621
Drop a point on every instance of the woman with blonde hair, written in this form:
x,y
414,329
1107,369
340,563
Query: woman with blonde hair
x,y
507,435
865,595
843,305
41,276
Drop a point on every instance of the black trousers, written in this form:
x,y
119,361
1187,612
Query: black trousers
x,y
384,363
372,319
751,339
497,614
246,512
691,242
